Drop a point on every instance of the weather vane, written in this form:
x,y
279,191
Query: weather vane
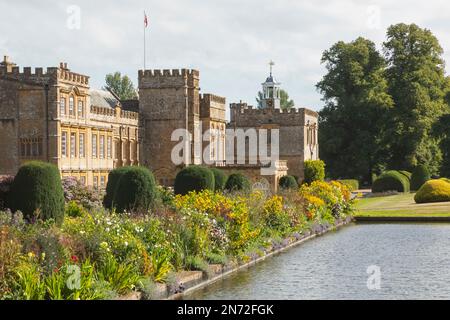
x,y
271,64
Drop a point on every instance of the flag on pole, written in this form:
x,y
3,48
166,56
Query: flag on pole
x,y
145,20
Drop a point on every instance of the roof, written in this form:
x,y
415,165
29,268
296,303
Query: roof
x,y
130,105
103,98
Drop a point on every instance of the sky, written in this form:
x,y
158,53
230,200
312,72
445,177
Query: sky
x,y
229,41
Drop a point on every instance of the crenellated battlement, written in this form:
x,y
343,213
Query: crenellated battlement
x,y
27,75
51,75
244,114
208,98
169,73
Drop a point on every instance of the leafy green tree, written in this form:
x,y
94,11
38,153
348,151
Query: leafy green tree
x,y
441,131
121,85
285,102
418,87
355,92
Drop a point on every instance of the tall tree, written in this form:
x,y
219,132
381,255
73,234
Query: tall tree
x,y
285,102
418,86
121,85
355,91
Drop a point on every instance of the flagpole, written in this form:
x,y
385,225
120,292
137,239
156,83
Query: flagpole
x,y
144,39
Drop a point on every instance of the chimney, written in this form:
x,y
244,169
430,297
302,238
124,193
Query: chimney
x,y
63,65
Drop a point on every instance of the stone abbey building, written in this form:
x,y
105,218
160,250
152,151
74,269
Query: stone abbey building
x,y
55,116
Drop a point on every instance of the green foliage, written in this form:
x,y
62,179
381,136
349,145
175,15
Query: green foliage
x,y
418,85
406,174
238,182
352,184
285,102
111,187
220,178
122,277
197,264
419,176
37,192
74,210
355,92
314,171
433,191
391,181
194,178
121,85
441,132
135,190
288,182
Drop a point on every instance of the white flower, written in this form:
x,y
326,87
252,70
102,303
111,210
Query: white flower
x,y
126,244
107,229
82,232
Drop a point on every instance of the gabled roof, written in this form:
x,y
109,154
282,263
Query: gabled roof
x,y
103,98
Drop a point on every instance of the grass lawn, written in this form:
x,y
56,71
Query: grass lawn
x,y
402,205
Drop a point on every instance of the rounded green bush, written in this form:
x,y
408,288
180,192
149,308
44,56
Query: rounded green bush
x,y
391,181
135,190
113,180
433,191
37,188
419,176
406,174
194,178
288,182
220,178
314,171
238,182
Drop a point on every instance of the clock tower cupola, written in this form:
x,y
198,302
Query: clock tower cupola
x,y
271,91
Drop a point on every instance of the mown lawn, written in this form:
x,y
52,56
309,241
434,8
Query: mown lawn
x,y
402,205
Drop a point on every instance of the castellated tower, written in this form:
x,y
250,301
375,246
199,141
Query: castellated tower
x,y
168,100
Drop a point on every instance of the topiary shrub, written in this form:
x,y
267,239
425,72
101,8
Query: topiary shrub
x,y
419,176
113,180
314,171
238,182
194,178
352,184
391,181
37,189
135,190
220,178
406,174
5,187
288,182
433,191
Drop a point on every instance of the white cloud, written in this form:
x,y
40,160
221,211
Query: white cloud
x,y
229,41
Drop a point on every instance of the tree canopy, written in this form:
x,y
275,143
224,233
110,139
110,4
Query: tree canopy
x,y
121,85
382,110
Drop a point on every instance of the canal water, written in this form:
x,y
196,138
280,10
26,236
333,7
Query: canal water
x,y
413,261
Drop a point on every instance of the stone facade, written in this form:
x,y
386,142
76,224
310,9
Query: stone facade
x,y
54,116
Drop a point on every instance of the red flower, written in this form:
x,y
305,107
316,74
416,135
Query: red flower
x,y
74,259
56,270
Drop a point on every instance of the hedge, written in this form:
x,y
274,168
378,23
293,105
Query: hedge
x,y
353,184
433,191
419,176
238,182
194,178
37,188
113,180
391,181
288,182
220,178
135,190
406,174
314,170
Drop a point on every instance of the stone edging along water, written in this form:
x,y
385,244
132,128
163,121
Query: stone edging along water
x,y
195,280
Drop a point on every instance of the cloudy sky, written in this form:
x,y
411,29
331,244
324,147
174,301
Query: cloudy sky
x,y
229,41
